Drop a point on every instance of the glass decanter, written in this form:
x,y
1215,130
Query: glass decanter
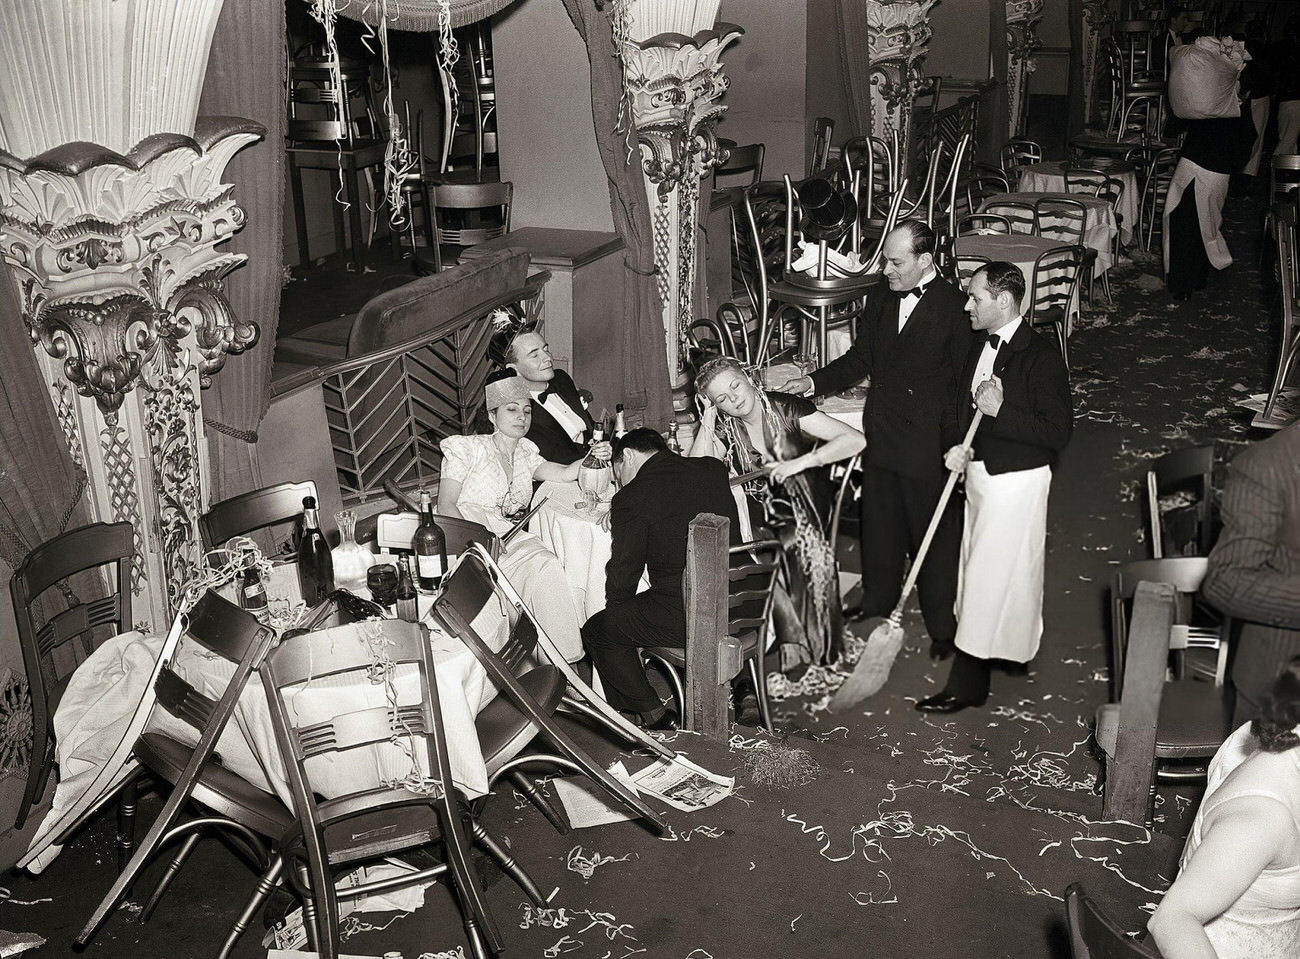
x,y
594,474
351,560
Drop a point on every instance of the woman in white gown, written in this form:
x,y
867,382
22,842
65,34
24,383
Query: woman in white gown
x,y
489,479
1237,894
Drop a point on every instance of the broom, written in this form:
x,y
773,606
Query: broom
x,y
885,641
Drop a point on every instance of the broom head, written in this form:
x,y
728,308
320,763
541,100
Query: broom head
x,y
872,670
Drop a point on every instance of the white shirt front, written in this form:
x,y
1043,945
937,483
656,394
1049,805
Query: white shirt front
x,y
984,367
569,421
908,303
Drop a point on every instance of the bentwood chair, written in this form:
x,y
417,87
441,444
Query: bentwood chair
x,y
378,818
50,655
1020,214
1155,189
1094,935
1061,219
1286,233
228,801
1019,152
1054,291
751,580
975,224
967,266
254,510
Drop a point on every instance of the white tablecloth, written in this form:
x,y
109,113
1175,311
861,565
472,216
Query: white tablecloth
x,y
578,539
1098,228
845,407
1049,177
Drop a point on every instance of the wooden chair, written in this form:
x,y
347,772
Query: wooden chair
x,y
1286,234
378,818
228,632
1155,189
254,510
414,186
1020,214
823,130
1054,290
1094,935
1193,466
751,579
481,213
474,579
1154,721
394,532
49,654
742,160
1019,152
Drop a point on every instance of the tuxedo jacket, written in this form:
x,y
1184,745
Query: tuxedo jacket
x,y
913,375
1037,414
552,438
650,521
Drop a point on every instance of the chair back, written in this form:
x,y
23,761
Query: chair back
x,y
981,186
491,198
1084,180
394,531
1018,152
1283,175
47,657
1133,40
975,223
766,249
252,511
751,575
1184,573
943,203
744,159
1061,219
322,111
1053,285
1020,214
967,266
469,589
1094,935
823,130
1193,465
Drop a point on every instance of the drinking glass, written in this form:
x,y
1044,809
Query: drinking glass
x,y
806,362
381,580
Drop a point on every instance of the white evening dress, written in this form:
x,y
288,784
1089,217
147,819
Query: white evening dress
x,y
1265,922
533,570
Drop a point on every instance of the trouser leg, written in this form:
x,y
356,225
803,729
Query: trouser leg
x,y
1189,266
969,678
937,581
615,636
884,540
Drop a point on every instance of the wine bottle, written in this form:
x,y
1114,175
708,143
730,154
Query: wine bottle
x,y
407,604
252,591
674,443
429,546
315,565
620,425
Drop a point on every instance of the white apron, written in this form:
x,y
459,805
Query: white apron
x,y
1211,191
1000,589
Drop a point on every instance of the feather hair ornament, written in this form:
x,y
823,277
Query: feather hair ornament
x,y
501,320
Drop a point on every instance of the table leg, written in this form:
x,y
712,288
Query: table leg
x,y
821,336
299,213
354,216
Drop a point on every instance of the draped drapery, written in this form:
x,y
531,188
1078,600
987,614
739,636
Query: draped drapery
x,y
418,15
644,358
246,78
851,23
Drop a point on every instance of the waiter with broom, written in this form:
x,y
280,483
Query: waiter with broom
x,y
1020,384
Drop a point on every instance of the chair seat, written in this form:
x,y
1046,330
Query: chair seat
x,y
1194,721
217,788
677,654
794,294
503,730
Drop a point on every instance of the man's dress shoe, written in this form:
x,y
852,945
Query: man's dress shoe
x,y
665,723
853,614
946,702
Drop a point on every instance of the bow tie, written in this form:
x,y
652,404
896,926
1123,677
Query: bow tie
x,y
916,293
994,340
549,391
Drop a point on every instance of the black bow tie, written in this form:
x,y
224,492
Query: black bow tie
x,y
549,391
916,292
994,340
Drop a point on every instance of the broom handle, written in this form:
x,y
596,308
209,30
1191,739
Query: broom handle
x,y
910,583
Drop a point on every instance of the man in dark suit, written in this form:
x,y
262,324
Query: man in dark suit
x,y
912,341
1254,568
1018,380
650,516
561,425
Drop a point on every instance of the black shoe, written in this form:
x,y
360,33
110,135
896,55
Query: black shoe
x,y
939,651
665,723
946,702
853,614
747,711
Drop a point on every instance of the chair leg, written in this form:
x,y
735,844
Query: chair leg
x,y
169,874
260,893
38,771
555,816
476,913
674,680
126,806
760,688
507,862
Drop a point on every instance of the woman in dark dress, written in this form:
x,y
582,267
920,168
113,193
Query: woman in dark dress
x,y
792,442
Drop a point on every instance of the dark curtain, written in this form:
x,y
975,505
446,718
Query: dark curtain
x,y
851,21
646,393
246,78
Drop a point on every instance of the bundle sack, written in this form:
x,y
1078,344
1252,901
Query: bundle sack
x,y
1203,78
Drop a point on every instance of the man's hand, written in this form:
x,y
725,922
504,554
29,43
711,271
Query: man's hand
x,y
798,385
957,459
605,520
603,450
988,396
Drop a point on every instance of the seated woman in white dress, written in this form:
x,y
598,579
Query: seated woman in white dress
x,y
1237,894
489,479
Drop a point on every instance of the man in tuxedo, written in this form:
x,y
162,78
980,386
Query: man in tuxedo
x,y
912,341
1019,382
650,517
561,425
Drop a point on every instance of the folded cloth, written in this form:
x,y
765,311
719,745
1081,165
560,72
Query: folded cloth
x,y
837,263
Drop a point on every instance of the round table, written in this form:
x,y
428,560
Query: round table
x,y
1022,249
1049,177
1098,225
577,538
845,407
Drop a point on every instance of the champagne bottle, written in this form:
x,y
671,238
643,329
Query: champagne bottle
x,y
429,546
315,565
407,604
620,425
674,443
252,591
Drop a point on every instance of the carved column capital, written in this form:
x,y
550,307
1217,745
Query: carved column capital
x,y
1022,41
898,40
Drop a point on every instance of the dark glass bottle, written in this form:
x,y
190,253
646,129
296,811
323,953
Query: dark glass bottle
x,y
315,566
674,441
429,546
407,604
252,591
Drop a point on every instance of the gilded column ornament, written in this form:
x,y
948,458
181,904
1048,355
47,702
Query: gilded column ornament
x,y
1096,17
674,79
1022,41
897,42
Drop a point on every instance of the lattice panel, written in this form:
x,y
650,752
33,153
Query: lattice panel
x,y
948,126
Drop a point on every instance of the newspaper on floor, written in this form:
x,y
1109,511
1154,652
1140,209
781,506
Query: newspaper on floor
x,y
587,804
682,784
1285,411
13,943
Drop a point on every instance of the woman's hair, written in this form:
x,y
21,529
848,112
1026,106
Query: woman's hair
x,y
715,367
1279,712
507,326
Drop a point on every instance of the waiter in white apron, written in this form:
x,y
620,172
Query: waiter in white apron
x,y
1020,382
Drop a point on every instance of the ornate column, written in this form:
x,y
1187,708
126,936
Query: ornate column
x,y
673,80
110,226
1022,41
898,39
1096,15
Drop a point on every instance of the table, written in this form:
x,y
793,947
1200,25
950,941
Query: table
x,y
1050,178
1098,226
578,539
1021,249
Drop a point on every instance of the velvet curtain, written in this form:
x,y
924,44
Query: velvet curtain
x,y
851,21
645,362
246,78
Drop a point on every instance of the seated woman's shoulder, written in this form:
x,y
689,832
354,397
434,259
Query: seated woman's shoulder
x,y
464,445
